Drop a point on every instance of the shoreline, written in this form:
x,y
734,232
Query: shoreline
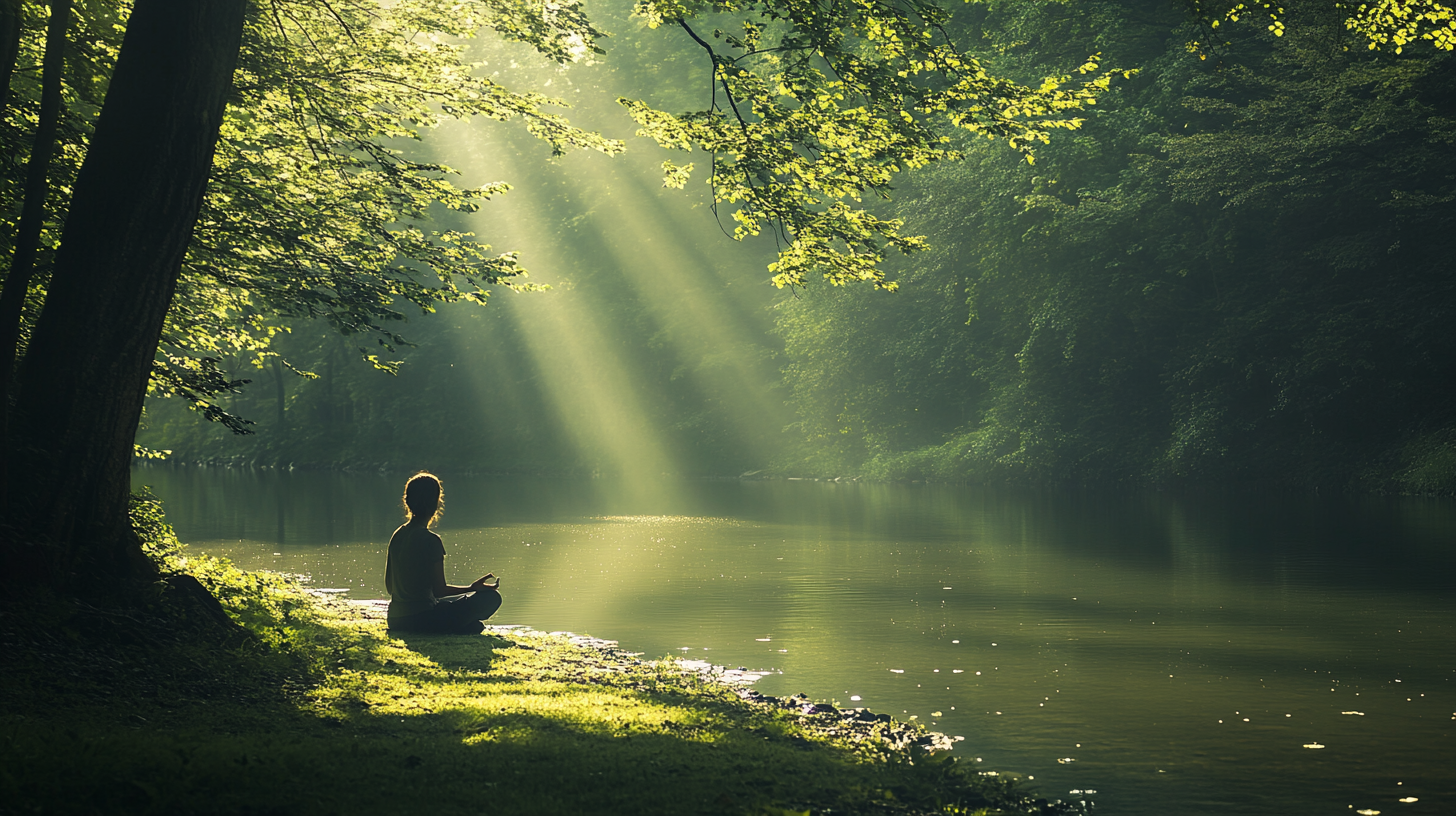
x,y
307,705
1179,488
861,721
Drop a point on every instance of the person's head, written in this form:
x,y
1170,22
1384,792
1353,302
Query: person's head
x,y
423,498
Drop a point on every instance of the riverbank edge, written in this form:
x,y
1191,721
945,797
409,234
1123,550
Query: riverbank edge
x,y
857,723
153,708
1432,477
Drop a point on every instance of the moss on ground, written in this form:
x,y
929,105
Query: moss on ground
x,y
312,707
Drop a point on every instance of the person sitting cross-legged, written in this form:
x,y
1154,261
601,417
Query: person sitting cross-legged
x,y
420,600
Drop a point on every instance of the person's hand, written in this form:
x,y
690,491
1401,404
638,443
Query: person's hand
x,y
483,582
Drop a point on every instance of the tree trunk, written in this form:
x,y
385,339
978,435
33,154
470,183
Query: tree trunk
x,y
80,388
32,214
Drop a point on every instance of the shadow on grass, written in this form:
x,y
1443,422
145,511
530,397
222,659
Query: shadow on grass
x,y
473,653
442,746
427,723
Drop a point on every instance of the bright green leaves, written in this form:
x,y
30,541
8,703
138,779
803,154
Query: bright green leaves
x,y
558,29
674,177
316,210
1381,24
1399,23
817,104
658,12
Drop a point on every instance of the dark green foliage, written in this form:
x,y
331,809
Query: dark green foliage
x,y
1233,273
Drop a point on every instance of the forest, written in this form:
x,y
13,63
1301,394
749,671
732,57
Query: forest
x,y
648,283
1235,270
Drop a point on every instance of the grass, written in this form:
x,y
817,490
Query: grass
x,y
312,707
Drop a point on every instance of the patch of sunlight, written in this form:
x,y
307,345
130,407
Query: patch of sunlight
x,y
516,714
492,689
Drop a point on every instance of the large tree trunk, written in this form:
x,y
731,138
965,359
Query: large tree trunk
x,y
32,214
80,388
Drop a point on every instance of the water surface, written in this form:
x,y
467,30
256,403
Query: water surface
x,y
1172,654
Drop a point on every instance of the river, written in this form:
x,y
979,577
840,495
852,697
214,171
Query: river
x,y
1152,653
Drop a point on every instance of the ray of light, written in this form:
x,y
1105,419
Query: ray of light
x,y
609,220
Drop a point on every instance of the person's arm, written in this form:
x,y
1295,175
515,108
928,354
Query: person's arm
x,y
443,590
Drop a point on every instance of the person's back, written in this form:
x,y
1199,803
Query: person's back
x,y
414,573
409,571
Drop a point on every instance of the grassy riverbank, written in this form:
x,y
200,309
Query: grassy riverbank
x,y
312,707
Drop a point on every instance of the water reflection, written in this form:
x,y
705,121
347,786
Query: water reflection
x,y
1175,654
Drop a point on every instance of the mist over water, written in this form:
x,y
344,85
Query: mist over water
x,y
1175,655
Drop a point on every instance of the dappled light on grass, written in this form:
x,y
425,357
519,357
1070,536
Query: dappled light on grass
x,y
607,727
321,709
498,691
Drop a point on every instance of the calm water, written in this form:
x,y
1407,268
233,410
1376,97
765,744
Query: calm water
x,y
1173,655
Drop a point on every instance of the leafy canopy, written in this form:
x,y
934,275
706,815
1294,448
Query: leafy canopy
x,y
815,104
316,210
319,209
1379,24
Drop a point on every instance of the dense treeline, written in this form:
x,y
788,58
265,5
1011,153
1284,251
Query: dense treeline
x,y
1239,269
1235,270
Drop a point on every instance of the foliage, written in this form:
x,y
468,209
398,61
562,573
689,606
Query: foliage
x,y
314,211
1378,25
824,103
93,44
475,389
1231,273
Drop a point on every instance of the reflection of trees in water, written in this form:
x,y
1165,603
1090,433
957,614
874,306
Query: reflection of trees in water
x,y
1205,537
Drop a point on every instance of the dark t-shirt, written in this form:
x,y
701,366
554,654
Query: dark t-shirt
x,y
409,572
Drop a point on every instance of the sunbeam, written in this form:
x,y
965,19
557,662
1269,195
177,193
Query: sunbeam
x,y
649,302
